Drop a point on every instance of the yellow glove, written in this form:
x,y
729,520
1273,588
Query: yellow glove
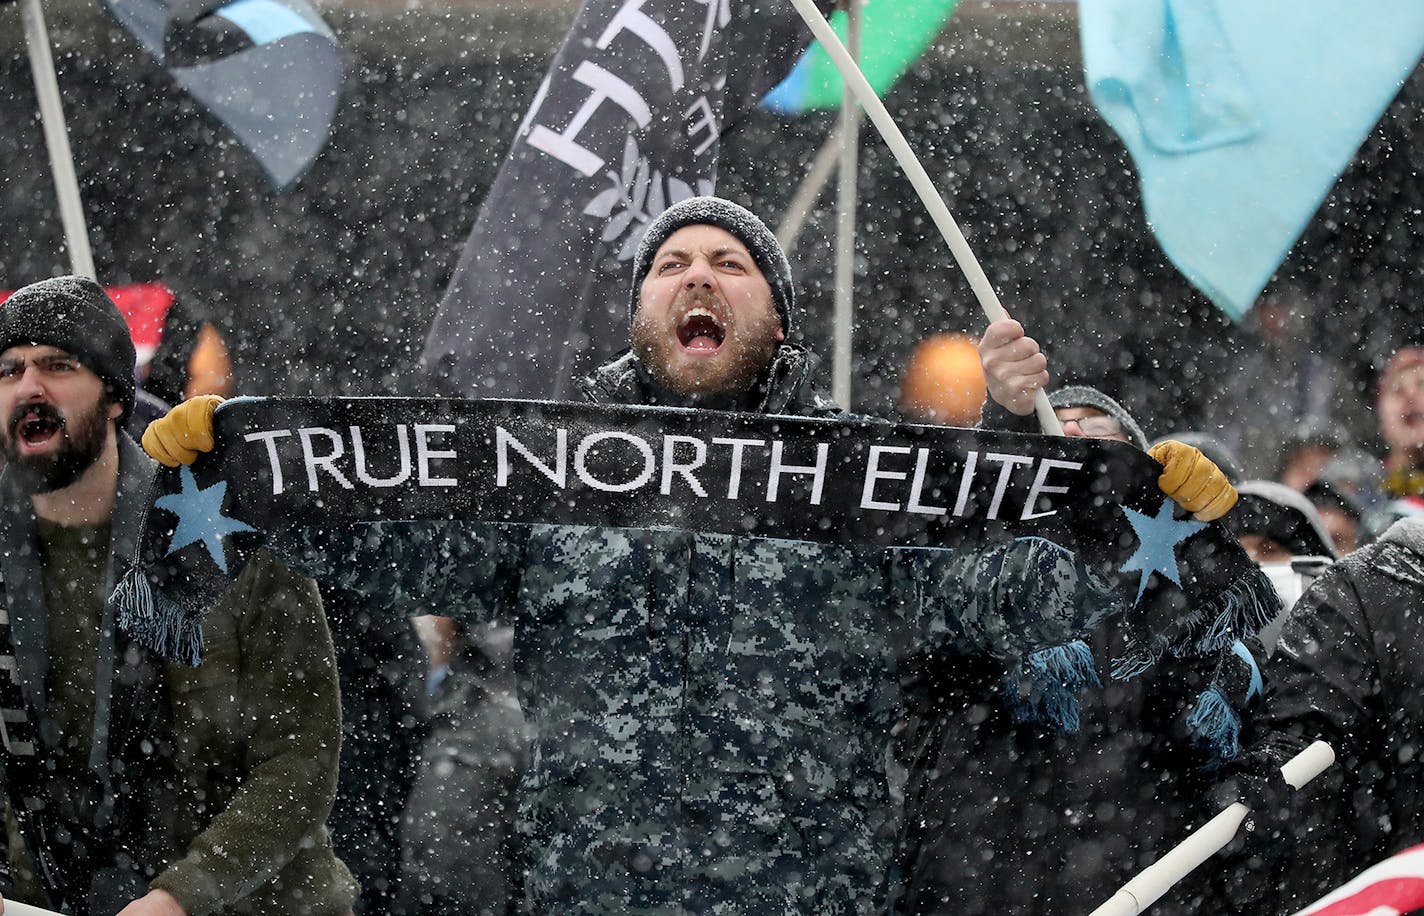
x,y
186,430
1193,480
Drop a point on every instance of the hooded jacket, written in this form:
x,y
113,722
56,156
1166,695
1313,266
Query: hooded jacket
x,y
1005,813
1349,669
710,713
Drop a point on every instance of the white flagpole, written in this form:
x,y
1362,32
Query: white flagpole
x,y
845,224
61,160
920,180
1156,879
15,908
810,188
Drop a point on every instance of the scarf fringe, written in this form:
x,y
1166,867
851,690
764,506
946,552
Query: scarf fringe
x,y
155,621
1237,612
1045,689
1215,727
1242,610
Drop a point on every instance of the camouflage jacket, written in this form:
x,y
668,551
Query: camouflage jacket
x,y
711,713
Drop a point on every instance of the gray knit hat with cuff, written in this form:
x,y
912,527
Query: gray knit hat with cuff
x,y
1083,396
77,316
739,221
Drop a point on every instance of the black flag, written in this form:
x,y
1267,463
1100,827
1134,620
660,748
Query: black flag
x,y
627,121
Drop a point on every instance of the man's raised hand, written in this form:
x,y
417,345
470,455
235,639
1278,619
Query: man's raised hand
x,y
1014,367
187,430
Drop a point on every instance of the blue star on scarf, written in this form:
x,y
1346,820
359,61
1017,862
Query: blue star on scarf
x,y
200,517
1157,540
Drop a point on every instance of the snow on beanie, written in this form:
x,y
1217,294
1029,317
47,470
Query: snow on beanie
x,y
740,222
77,316
1083,396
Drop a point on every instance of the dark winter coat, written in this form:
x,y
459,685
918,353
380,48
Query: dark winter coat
x,y
230,811
1349,669
1018,817
711,713
1006,816
460,858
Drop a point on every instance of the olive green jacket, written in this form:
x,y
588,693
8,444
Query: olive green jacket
x,y
257,736
225,784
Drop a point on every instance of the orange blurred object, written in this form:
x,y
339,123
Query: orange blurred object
x,y
944,382
209,368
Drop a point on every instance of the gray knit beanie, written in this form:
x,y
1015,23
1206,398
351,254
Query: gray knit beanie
x,y
1083,396
740,222
77,316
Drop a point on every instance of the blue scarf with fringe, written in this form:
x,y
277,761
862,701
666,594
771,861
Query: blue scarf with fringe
x,y
1187,588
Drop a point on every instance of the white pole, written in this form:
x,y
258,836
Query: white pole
x,y
845,225
1156,879
61,160
804,200
15,908
920,180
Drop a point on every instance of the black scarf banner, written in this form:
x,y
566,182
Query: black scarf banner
x,y
311,463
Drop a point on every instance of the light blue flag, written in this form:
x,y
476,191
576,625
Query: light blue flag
x,y
1241,114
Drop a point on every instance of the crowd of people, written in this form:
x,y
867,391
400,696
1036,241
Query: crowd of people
x,y
626,721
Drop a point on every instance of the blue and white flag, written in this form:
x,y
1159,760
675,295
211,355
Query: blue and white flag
x,y
1241,116
268,69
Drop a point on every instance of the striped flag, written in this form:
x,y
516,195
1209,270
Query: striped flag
x,y
269,69
1391,888
893,36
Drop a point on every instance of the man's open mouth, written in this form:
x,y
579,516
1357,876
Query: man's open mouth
x,y
700,330
37,428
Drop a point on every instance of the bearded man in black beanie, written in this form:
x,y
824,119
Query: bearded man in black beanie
x,y
135,786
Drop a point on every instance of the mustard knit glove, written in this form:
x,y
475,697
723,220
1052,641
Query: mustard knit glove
x,y
1193,480
187,430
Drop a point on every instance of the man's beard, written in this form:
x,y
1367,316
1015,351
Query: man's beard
x,y
745,355
81,442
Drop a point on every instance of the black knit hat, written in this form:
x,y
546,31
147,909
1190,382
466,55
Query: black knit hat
x,y
77,316
1083,396
740,222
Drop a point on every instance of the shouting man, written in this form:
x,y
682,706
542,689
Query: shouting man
x,y
711,712
137,786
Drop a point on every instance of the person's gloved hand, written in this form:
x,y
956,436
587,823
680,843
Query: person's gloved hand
x,y
1192,479
1267,795
187,430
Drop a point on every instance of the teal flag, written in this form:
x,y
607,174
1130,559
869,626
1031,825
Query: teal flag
x,y
893,36
1240,116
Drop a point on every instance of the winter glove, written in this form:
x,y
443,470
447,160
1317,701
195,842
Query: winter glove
x,y
1268,796
187,430
1192,479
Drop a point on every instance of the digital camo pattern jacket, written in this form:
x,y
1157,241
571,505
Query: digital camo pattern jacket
x,y
711,713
